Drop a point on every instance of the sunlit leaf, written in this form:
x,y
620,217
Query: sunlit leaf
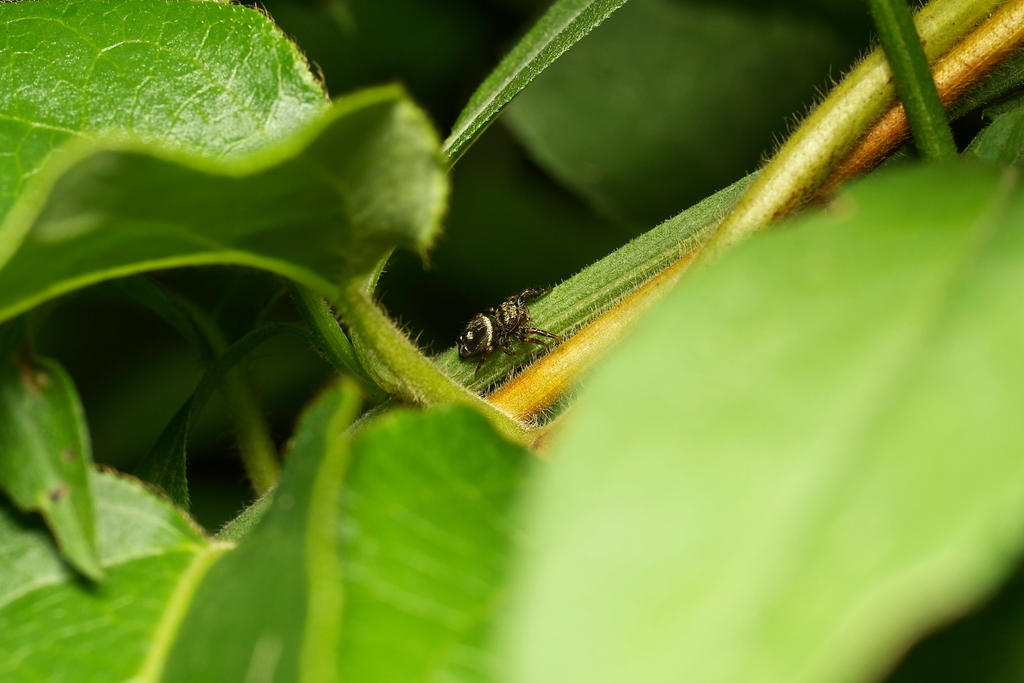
x,y
806,458
212,78
427,524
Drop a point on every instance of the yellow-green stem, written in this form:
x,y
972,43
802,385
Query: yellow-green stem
x,y
822,141
403,371
955,74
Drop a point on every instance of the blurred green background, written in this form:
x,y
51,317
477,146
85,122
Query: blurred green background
x,y
666,102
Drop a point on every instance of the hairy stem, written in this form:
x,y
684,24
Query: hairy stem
x,y
828,134
793,175
579,300
538,386
399,367
255,447
914,84
331,340
956,73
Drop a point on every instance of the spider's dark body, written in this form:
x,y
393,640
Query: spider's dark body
x,y
498,328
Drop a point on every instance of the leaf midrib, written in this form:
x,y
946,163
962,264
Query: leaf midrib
x,y
152,667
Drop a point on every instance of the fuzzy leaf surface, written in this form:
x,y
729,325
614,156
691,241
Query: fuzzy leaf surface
x,y
802,461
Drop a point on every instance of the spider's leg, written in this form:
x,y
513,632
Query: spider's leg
x,y
534,330
487,352
507,348
533,293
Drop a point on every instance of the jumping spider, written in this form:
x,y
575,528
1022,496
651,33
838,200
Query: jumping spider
x,y
499,328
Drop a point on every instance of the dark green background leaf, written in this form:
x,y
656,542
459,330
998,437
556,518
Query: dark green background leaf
x,y
45,455
983,646
670,100
821,460
564,24
1002,141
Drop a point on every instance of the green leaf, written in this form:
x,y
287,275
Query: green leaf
x,y
45,454
427,527
57,628
275,603
319,208
1002,141
212,78
803,460
562,26
159,568
376,561
393,572
670,100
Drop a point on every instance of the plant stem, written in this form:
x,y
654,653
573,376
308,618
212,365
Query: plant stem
x,y
255,447
825,137
537,387
254,443
956,73
331,340
902,46
601,285
541,384
399,367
